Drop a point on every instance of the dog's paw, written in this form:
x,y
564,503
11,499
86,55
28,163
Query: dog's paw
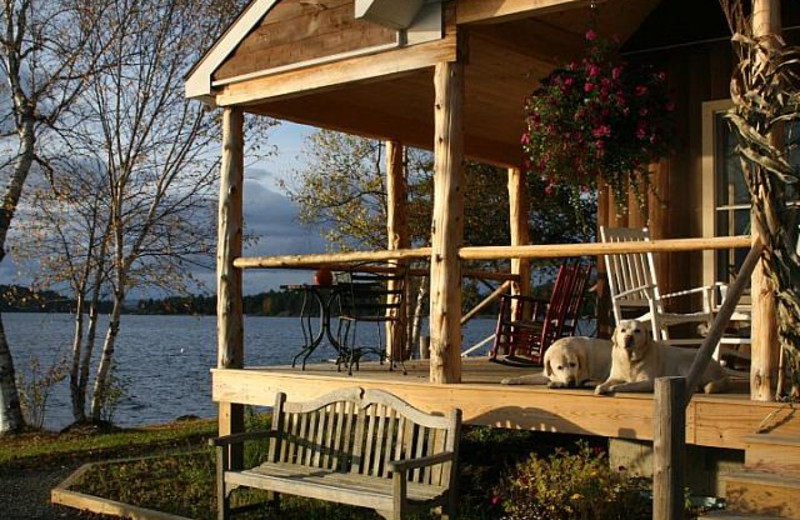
x,y
556,384
511,381
603,390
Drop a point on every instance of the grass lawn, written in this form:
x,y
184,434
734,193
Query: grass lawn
x,y
177,472
31,450
183,483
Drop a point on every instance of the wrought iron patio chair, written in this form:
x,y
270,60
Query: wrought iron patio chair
x,y
527,326
371,295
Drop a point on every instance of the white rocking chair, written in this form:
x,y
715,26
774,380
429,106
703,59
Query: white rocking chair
x,y
633,285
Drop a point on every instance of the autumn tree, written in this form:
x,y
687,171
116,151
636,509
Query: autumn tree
x,y
342,189
45,64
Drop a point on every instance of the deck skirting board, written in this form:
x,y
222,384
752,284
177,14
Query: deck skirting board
x,y
716,421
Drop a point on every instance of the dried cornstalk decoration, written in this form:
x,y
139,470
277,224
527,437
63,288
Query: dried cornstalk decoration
x,y
765,89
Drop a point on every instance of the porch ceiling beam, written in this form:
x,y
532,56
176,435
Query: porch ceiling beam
x,y
331,75
477,11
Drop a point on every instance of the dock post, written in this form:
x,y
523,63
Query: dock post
x,y
669,447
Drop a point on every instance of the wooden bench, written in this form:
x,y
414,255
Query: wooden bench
x,y
362,448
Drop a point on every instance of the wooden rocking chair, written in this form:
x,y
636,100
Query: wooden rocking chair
x,y
633,285
527,326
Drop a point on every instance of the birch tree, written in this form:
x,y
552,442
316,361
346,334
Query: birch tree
x,y
45,64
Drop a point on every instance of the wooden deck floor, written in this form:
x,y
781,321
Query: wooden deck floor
x,y
721,420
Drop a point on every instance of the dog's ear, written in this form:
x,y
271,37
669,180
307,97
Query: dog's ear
x,y
548,371
583,364
614,335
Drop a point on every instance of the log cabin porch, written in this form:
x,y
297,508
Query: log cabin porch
x,y
454,83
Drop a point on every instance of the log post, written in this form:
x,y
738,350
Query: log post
x,y
765,349
603,306
669,447
230,327
520,233
447,230
397,233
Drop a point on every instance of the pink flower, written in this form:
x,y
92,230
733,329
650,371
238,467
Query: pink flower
x,y
593,71
616,72
588,87
568,82
641,131
602,131
640,90
662,76
591,35
495,500
643,111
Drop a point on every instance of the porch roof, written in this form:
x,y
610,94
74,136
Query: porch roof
x,y
314,63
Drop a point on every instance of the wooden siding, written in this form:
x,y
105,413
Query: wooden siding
x,y
295,31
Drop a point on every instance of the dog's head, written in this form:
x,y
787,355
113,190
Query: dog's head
x,y
632,338
565,365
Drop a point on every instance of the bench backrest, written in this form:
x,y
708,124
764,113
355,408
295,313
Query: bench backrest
x,y
361,431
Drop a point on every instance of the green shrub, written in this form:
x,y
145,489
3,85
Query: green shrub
x,y
579,486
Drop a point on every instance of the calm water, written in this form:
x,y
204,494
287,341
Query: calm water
x,y
164,360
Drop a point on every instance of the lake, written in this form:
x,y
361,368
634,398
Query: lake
x,y
165,356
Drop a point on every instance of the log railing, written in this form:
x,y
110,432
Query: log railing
x,y
675,245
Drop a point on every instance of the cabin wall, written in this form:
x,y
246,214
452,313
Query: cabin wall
x,y
697,73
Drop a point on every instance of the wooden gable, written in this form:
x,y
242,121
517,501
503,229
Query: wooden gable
x,y
298,31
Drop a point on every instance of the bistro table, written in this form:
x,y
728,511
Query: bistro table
x,y
317,303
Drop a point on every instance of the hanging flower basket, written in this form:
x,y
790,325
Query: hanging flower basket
x,y
600,119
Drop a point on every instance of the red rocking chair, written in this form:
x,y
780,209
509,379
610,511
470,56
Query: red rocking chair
x,y
535,323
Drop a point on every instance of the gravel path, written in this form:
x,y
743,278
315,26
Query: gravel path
x,y
25,494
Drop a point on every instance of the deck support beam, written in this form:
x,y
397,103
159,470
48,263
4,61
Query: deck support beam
x,y
230,326
765,349
447,230
518,225
519,231
398,238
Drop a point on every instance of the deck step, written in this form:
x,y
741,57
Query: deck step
x,y
727,515
774,453
759,493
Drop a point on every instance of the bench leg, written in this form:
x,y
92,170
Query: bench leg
x,y
274,500
450,512
224,502
223,496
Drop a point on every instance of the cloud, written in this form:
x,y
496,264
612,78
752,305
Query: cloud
x,y
272,218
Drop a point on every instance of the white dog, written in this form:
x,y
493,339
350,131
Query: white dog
x,y
637,360
570,363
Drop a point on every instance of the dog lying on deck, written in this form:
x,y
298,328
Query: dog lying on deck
x,y
637,360
570,363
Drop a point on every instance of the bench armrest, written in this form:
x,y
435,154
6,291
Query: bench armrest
x,y
236,438
402,466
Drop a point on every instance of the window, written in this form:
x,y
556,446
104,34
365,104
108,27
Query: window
x,y
726,200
